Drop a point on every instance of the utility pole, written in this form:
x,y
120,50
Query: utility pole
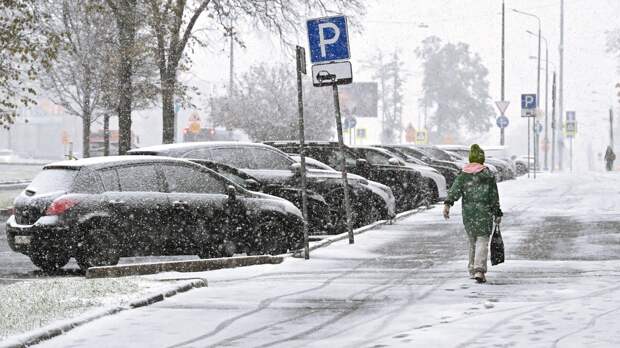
x,y
561,90
546,140
553,124
611,127
502,139
536,147
232,62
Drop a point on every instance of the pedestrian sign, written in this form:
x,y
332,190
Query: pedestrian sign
x,y
528,105
421,137
502,121
328,39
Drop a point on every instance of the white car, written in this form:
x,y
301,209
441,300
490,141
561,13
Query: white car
x,y
7,156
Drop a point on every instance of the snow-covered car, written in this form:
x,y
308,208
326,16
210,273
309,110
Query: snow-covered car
x,y
406,183
378,188
436,187
100,209
272,166
407,154
497,166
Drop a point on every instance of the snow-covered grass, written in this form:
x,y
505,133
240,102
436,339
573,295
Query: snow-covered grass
x,y
32,304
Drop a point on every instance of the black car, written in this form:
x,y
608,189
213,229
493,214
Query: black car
x,y
449,171
318,210
100,209
272,166
406,183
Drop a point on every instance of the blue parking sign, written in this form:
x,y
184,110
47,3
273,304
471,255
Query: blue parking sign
x,y
528,105
328,39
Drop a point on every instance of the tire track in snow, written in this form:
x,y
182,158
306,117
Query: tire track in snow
x,y
264,304
588,326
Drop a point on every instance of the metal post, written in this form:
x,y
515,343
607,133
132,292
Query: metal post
x,y
301,56
571,154
537,101
611,127
502,139
561,90
343,162
546,140
529,144
553,125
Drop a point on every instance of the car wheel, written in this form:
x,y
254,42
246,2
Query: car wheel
x,y
98,247
269,238
50,260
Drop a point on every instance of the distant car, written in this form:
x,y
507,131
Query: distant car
x,y
448,171
100,209
406,183
272,166
436,187
7,156
504,171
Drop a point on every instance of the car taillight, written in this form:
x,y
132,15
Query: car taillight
x,y
60,206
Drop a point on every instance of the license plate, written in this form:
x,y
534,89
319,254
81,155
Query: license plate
x,y
23,240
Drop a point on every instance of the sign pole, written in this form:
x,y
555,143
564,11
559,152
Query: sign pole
x,y
502,138
301,68
343,162
553,124
529,167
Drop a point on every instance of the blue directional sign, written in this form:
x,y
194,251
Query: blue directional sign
x,y
328,39
502,121
349,122
538,127
528,105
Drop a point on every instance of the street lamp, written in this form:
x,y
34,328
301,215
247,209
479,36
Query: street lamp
x,y
537,88
546,140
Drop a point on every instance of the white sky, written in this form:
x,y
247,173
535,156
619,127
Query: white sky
x,y
393,24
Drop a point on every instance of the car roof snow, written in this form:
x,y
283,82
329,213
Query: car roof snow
x,y
101,162
193,145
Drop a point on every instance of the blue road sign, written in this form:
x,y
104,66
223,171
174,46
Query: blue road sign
x,y
538,127
570,116
328,39
502,121
349,122
528,105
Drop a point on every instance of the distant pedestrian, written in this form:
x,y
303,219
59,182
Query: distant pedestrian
x,y
610,157
476,184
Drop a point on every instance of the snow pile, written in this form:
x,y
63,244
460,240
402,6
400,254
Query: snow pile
x,y
31,304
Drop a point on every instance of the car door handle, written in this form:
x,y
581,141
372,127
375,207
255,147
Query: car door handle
x,y
116,202
180,204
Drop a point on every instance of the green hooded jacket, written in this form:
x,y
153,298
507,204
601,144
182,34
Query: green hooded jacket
x,y
480,201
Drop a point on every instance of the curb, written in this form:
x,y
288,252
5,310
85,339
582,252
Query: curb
x,y
51,331
180,266
327,241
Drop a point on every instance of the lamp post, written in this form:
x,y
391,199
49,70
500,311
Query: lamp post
x,y
546,139
537,88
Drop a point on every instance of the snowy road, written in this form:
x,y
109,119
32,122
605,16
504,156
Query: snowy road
x,y
406,285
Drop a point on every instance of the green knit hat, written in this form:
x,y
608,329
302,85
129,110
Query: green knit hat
x,y
476,154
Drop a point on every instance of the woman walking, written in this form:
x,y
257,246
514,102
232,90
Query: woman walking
x,y
476,184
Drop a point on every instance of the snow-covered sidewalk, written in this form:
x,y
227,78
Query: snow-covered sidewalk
x,y
406,285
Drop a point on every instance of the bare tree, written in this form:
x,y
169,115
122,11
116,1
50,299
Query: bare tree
x,y
174,22
264,105
77,79
125,14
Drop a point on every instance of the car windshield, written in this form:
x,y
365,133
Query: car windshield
x,y
437,153
251,158
52,180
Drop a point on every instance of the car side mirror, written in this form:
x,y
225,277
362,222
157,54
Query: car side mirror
x,y
296,168
394,161
231,191
252,185
361,163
